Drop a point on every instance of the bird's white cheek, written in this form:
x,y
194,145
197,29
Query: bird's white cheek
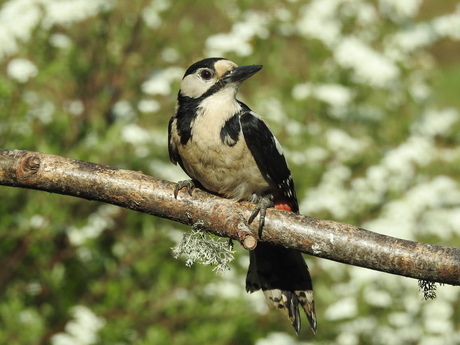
x,y
193,87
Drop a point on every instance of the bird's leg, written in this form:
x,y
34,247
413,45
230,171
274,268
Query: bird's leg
x,y
262,204
189,185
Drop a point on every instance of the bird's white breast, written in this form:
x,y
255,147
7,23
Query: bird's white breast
x,y
227,170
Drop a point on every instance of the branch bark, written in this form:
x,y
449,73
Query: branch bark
x,y
322,238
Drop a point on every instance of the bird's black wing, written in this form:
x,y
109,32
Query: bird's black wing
x,y
173,153
268,154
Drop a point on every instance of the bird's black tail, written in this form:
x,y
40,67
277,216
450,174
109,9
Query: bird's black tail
x,y
283,276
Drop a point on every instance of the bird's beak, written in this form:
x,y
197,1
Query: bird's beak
x,y
242,73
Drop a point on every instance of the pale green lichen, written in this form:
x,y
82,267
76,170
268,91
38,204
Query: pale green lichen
x,y
204,248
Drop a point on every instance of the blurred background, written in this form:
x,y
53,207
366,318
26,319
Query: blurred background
x,y
363,95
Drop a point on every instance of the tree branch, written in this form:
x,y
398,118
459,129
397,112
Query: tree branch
x,y
322,238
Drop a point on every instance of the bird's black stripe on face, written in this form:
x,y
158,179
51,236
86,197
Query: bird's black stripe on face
x,y
188,108
230,132
185,114
213,89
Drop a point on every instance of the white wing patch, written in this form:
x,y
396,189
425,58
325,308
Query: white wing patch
x,y
278,146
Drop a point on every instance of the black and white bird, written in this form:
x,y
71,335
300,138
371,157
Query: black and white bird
x,y
229,150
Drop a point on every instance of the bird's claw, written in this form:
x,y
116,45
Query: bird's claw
x,y
187,184
261,207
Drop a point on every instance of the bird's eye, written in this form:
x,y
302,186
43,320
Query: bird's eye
x,y
206,74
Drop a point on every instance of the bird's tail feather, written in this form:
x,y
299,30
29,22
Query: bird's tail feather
x,y
283,276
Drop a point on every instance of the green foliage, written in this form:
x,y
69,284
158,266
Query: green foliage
x,y
352,90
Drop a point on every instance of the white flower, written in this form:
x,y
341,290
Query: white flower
x,y
62,339
276,338
416,37
436,122
319,20
222,44
17,20
438,316
82,330
366,14
274,108
415,150
400,9
368,66
21,70
239,39
142,140
170,54
148,106
60,41
377,297
124,110
69,11
347,337
343,309
160,82
151,13
39,108
98,221
135,135
37,221
28,317
343,145
166,170
333,94
448,25
337,96
331,194
419,90
224,287
75,107
302,91
34,288
422,209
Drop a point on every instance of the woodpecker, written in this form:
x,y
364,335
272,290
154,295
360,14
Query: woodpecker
x,y
228,149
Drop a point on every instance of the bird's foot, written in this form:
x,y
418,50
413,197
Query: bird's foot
x,y
262,204
187,184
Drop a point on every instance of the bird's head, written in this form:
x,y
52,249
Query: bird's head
x,y
208,76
